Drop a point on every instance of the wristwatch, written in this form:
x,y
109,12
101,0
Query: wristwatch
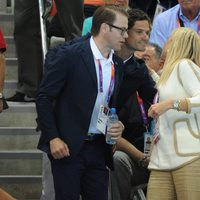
x,y
176,104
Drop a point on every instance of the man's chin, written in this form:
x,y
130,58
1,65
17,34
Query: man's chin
x,y
118,48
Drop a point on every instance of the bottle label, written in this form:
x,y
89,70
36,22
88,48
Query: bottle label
x,y
102,119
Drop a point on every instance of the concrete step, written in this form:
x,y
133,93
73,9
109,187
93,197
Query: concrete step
x,y
11,69
3,5
11,73
22,187
18,138
20,162
11,50
7,23
11,61
10,87
19,115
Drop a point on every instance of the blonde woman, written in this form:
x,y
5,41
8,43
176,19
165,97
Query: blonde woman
x,y
175,158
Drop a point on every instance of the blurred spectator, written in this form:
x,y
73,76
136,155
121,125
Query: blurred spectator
x,y
71,16
186,13
129,171
29,49
87,24
150,5
2,68
151,56
175,161
91,5
5,196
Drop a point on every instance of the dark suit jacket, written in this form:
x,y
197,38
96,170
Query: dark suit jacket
x,y
136,78
67,96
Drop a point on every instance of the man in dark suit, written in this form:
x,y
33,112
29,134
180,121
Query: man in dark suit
x,y
129,158
79,79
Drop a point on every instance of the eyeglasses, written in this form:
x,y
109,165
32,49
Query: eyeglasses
x,y
123,30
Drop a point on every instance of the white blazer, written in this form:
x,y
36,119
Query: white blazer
x,y
179,131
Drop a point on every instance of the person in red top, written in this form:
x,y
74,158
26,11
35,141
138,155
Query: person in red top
x,y
2,43
91,5
3,194
2,67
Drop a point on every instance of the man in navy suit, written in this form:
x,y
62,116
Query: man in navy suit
x,y
79,79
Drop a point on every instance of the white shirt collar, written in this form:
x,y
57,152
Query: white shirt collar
x,y
97,54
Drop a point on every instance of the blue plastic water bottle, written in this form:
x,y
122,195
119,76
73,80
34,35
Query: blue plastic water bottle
x,y
112,119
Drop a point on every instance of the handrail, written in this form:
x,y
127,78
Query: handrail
x,y
43,29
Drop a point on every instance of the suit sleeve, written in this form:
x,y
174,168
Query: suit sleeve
x,y
57,70
189,76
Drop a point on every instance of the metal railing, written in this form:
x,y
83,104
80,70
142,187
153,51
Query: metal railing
x,y
43,29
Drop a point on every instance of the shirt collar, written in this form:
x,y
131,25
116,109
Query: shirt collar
x,y
183,17
97,54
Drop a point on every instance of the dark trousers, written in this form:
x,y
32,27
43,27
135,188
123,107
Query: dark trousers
x,y
70,13
86,174
28,45
89,10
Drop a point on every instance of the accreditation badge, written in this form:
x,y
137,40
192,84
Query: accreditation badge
x,y
102,119
148,138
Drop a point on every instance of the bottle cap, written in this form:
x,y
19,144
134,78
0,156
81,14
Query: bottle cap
x,y
113,110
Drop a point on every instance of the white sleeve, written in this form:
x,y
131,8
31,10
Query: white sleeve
x,y
189,76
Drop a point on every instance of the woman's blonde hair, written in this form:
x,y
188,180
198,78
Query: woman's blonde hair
x,y
183,43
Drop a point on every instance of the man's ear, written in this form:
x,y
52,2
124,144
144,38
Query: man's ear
x,y
104,28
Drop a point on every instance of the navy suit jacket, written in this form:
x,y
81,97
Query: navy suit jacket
x,y
67,96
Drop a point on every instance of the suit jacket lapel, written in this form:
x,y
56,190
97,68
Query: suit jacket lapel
x,y
117,82
88,59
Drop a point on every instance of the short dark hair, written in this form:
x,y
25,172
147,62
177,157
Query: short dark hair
x,y
105,14
158,49
136,14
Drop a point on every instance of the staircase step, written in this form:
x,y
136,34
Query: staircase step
x,y
11,69
3,5
11,50
22,187
10,87
11,73
11,61
19,115
18,138
7,23
20,163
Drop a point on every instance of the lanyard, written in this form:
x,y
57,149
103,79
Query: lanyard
x,y
156,134
181,24
142,109
101,79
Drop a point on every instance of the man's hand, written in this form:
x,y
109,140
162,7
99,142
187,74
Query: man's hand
x,y
58,148
116,130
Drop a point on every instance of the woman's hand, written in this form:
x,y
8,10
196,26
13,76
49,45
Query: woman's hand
x,y
159,108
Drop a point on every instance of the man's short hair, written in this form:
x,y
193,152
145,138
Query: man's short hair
x,y
158,49
136,14
105,14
